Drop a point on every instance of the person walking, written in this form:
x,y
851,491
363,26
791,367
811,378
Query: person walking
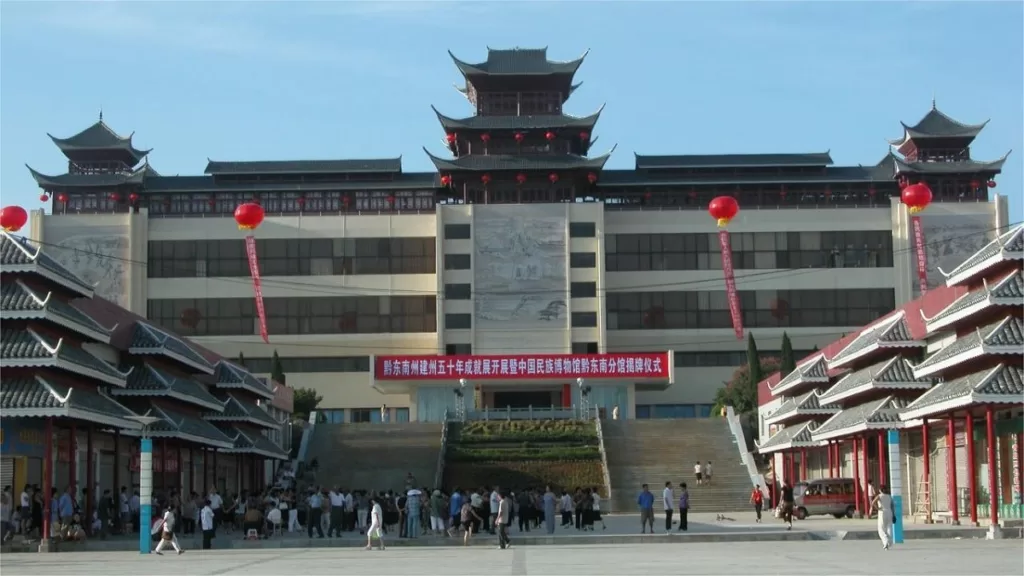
x,y
667,500
376,525
206,524
882,503
757,499
315,516
502,519
787,504
167,534
549,510
645,501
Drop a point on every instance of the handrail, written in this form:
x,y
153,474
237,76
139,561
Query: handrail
x,y
439,470
307,435
605,475
756,478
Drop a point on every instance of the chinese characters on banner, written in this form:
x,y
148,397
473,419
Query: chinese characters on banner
x,y
257,288
922,258
730,284
535,366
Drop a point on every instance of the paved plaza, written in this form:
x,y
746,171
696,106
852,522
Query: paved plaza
x,y
931,557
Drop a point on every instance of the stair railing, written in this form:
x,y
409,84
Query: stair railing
x,y
756,478
605,475
439,470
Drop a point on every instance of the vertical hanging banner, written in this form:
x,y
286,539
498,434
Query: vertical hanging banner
x,y
922,257
257,288
730,284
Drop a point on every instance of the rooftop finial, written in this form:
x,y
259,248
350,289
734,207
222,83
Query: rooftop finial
x,y
933,101
101,114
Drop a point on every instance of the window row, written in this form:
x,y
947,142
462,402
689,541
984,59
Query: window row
x,y
672,411
276,202
309,364
750,250
726,359
760,308
319,315
292,257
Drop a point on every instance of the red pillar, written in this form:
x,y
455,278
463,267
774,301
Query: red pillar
x,y
972,470
206,474
179,475
790,474
993,477
1020,462
192,471
73,464
117,469
238,471
214,483
47,478
831,462
926,466
803,463
954,504
856,475
90,497
883,471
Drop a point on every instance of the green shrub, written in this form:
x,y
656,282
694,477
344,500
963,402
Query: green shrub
x,y
532,474
523,453
564,431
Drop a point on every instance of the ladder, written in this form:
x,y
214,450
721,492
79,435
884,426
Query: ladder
x,y
923,502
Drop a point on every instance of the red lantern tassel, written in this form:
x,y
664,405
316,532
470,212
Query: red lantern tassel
x,y
730,284
922,257
257,287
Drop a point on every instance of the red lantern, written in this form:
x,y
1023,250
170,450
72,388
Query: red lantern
x,y
872,191
446,180
553,177
62,197
780,309
391,200
647,196
133,197
167,202
550,135
782,192
991,183
917,197
693,194
828,192
450,137
212,201
249,216
190,317
723,209
903,182
521,178
486,179
975,184
115,196
13,218
301,201
592,178
485,137
44,198
584,136
519,136
345,201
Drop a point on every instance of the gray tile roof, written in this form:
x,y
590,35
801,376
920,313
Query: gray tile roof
x,y
47,181
19,256
251,442
875,415
537,122
19,301
148,339
39,397
518,62
1006,291
231,376
935,124
210,184
1004,336
808,403
99,136
1007,246
236,410
509,162
963,167
812,371
175,424
148,380
816,159
892,331
28,348
1004,383
373,165
895,373
800,435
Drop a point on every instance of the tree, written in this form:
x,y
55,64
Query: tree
x,y
787,363
276,370
305,401
753,359
740,392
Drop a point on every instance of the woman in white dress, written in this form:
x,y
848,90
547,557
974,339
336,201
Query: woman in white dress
x,y
376,530
882,502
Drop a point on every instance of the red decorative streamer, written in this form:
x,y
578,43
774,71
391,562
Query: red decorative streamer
x,y
257,287
730,284
922,257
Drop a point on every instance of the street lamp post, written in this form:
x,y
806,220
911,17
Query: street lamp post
x,y
460,400
145,481
584,399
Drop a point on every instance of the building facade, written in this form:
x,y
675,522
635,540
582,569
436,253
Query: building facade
x,y
519,243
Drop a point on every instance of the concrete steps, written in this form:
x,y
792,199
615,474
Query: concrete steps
x,y
375,456
659,451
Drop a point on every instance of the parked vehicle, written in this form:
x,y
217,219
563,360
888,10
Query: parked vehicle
x,y
835,496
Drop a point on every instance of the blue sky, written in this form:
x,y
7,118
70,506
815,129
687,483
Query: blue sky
x,y
251,81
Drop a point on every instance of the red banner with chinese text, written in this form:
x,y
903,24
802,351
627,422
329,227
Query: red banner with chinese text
x,y
523,367
730,284
922,257
257,287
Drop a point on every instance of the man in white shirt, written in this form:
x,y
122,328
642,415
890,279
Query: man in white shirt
x,y
495,504
337,509
207,525
217,505
25,508
123,511
667,499
350,512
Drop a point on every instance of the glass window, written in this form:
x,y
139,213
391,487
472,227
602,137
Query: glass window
x,y
458,321
458,349
584,319
457,292
456,232
583,290
582,260
457,261
582,230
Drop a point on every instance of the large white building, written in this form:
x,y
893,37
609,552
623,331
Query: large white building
x,y
520,244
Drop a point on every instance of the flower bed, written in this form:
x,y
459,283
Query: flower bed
x,y
537,431
526,474
522,454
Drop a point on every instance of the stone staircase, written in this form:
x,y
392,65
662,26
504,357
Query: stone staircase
x,y
375,456
659,451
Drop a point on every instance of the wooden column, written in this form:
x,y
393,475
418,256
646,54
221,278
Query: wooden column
x,y
993,473
73,461
883,470
192,471
926,468
831,461
90,484
803,463
48,466
972,470
954,503
856,475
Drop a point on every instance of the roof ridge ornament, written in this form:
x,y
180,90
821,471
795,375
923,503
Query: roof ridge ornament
x,y
41,302
53,350
53,392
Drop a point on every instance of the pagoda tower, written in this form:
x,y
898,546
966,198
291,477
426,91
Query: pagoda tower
x,y
519,146
937,150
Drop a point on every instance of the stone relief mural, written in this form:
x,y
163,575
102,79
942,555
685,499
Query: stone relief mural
x,y
520,269
100,255
949,239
